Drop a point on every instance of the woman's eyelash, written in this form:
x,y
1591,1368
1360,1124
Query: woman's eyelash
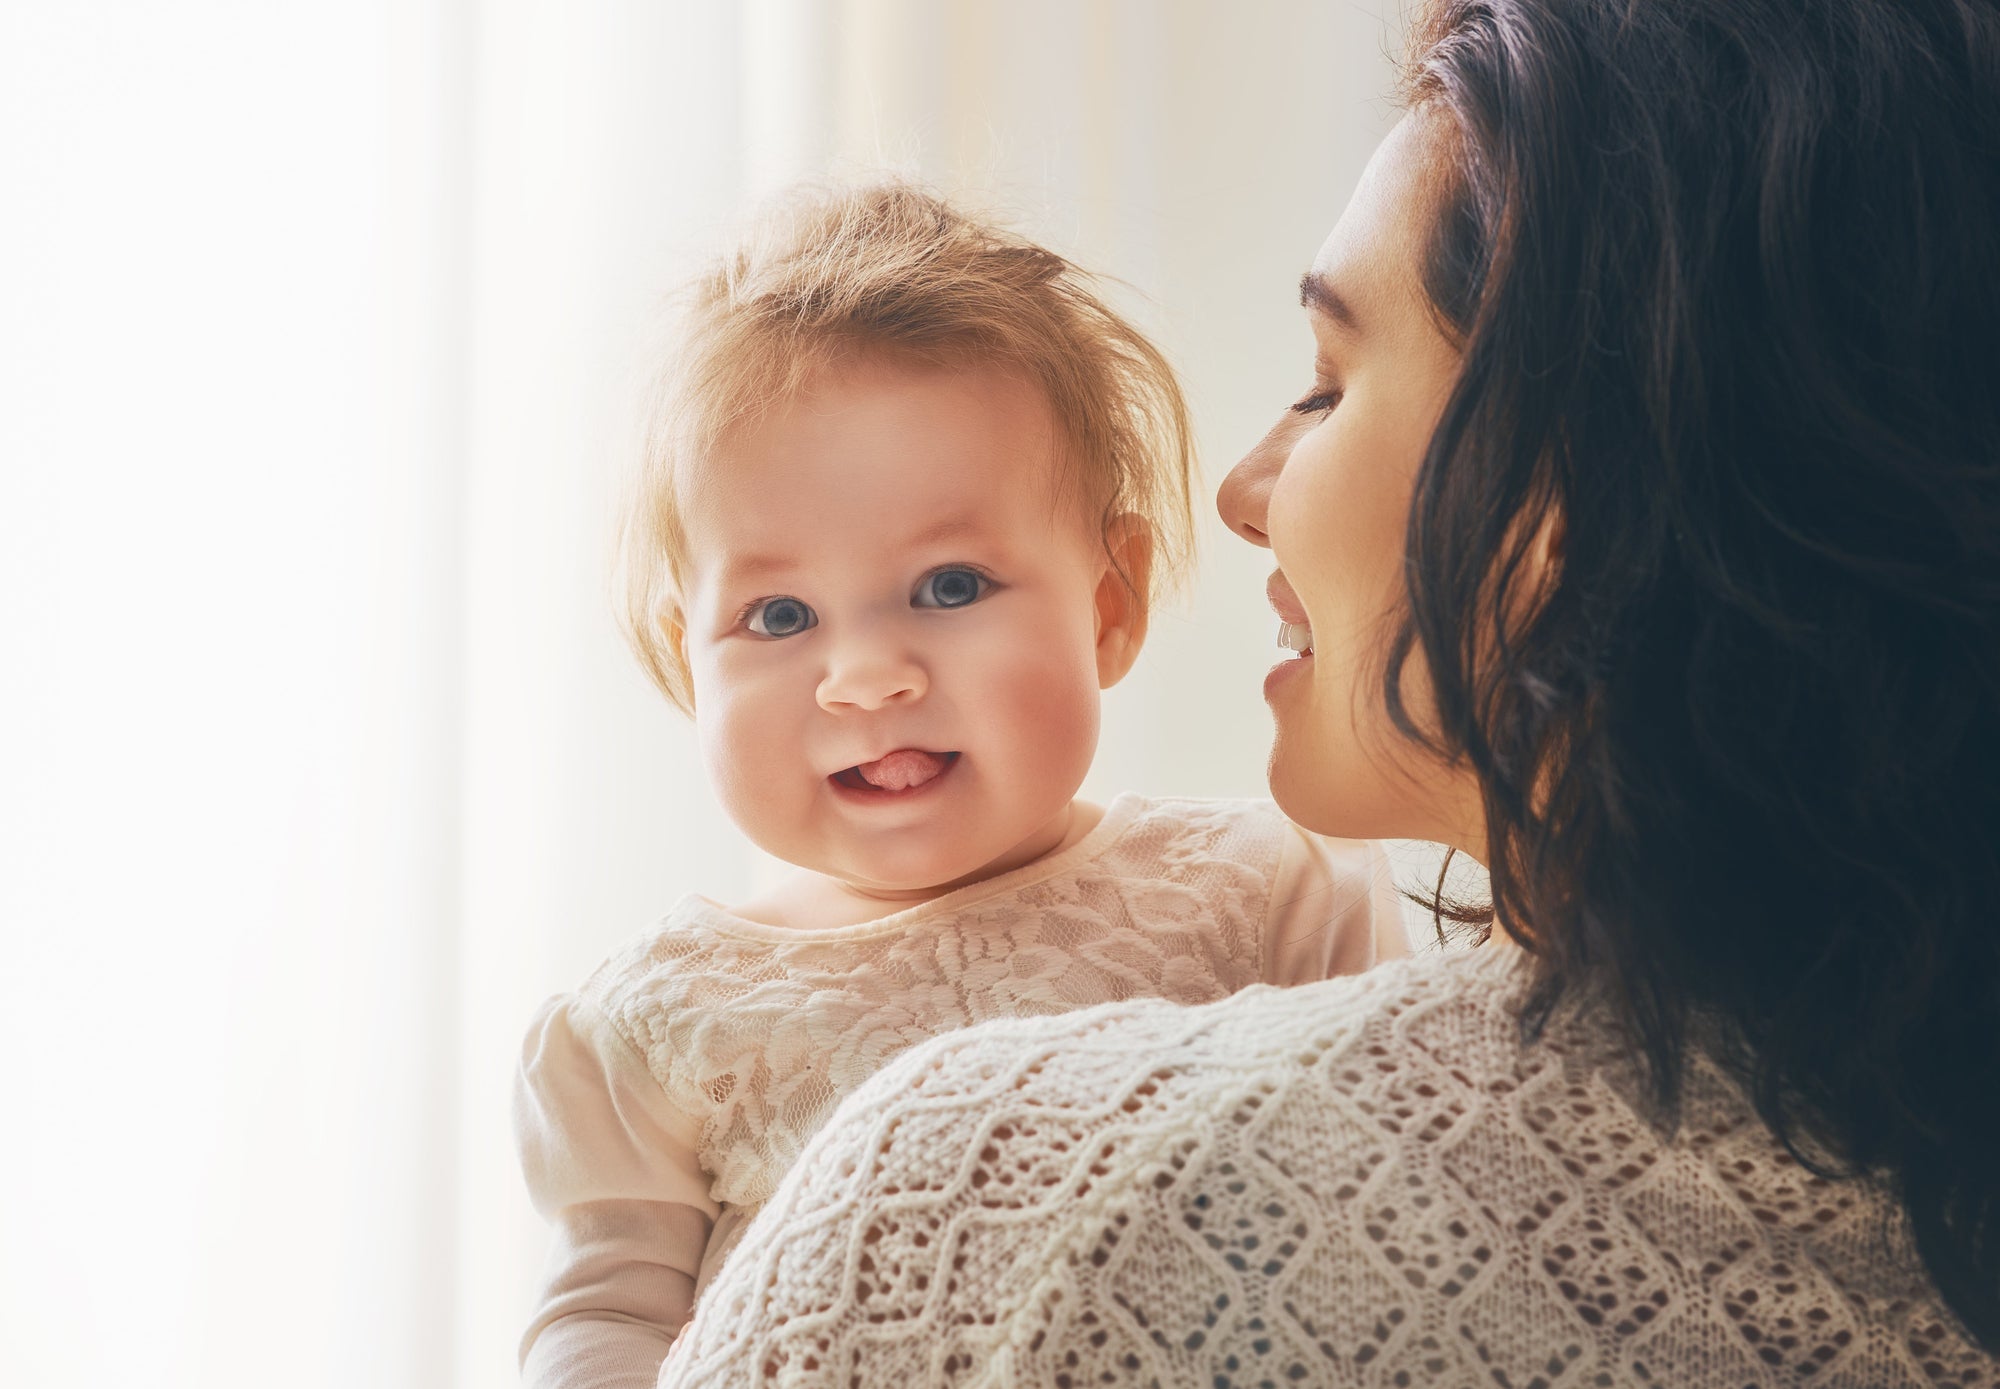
x,y
1319,402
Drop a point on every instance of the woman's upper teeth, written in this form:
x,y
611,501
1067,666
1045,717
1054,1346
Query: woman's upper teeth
x,y
1295,636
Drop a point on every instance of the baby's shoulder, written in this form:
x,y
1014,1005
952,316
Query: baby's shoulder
x,y
662,961
1206,812
1175,835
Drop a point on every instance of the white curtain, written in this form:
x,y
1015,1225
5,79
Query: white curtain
x,y
320,763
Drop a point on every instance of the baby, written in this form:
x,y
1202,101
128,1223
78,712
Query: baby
x,y
910,493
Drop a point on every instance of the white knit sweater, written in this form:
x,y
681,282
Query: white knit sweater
x,y
1362,1182
660,1104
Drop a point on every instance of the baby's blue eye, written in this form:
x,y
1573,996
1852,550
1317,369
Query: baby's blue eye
x,y
780,617
950,588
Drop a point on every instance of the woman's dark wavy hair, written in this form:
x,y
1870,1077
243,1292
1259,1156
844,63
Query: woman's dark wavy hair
x,y
1726,274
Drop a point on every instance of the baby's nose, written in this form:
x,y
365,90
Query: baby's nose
x,y
870,674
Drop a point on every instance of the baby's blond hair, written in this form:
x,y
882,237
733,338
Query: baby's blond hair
x,y
891,270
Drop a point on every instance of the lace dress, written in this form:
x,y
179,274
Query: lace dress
x,y
1363,1182
659,1105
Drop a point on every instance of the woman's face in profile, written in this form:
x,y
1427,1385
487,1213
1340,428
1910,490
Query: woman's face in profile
x,y
1328,490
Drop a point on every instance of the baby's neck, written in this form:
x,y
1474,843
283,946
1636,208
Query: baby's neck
x,y
809,901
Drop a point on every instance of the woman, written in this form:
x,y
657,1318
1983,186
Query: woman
x,y
1644,515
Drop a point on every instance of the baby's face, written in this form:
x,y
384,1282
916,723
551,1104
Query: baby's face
x,y
893,628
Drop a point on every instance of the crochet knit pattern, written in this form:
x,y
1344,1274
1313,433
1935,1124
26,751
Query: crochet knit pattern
x,y
1368,1181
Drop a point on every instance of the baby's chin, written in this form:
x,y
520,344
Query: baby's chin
x,y
911,878
906,861
907,869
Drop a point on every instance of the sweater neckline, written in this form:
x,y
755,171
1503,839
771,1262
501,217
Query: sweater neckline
x,y
1117,818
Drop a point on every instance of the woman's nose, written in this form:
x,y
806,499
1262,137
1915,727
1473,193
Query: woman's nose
x,y
869,672
1244,499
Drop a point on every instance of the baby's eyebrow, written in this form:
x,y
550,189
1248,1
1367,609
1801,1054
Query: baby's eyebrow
x,y
759,565
753,565
950,528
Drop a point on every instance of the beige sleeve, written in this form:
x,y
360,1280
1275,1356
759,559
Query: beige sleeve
x,y
1334,909
611,1165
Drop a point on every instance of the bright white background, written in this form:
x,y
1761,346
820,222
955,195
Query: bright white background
x,y
320,762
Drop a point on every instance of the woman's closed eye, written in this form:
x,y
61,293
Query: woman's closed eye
x,y
954,586
1318,403
779,617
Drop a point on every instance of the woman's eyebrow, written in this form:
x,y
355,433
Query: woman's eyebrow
x,y
1316,293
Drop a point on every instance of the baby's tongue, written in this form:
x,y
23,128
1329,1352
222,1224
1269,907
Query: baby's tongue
x,y
901,769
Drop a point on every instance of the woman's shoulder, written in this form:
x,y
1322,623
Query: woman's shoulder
x,y
1101,1142
1318,1185
1360,1052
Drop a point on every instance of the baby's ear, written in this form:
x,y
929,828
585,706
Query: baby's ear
x,y
676,675
1122,590
673,626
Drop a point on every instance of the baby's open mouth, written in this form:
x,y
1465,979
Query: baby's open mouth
x,y
905,769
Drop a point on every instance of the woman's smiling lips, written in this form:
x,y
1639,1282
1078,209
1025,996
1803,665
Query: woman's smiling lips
x,y
1285,603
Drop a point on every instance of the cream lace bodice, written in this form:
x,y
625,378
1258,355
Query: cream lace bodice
x,y
1364,1182
680,1083
759,1031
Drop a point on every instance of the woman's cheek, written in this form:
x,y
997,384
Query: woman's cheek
x,y
1337,517
1293,514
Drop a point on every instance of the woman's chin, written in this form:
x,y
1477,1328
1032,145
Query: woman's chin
x,y
1300,792
1320,789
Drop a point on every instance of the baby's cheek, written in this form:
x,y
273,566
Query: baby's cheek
x,y
1050,707
747,746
